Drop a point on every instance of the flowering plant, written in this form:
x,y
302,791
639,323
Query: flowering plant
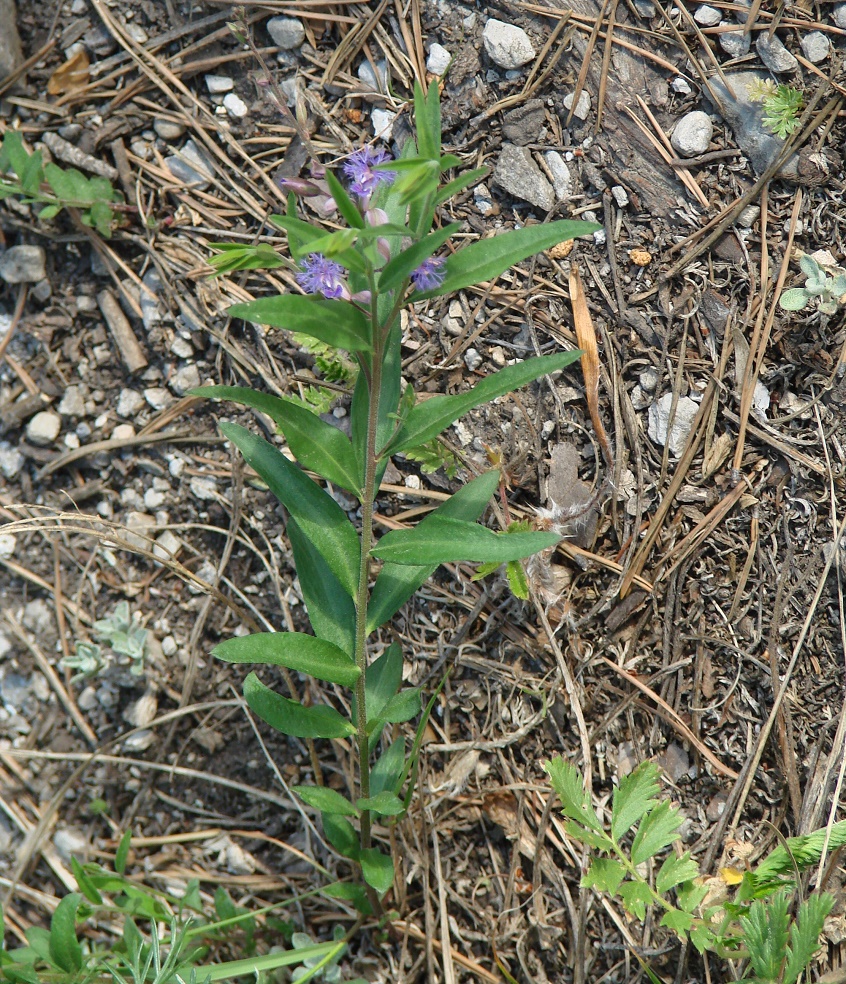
x,y
357,279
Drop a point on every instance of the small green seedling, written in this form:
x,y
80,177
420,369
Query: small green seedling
x,y
781,105
830,290
124,637
94,198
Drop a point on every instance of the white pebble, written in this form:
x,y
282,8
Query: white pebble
x,y
235,106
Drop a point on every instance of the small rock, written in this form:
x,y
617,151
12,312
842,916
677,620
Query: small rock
x,y
518,175
136,32
815,47
169,644
129,403
149,299
70,843
204,488
38,617
73,402
707,16
774,55
659,419
681,86
23,265
286,32
645,8
675,762
621,196
649,380
157,397
626,759
506,45
377,82
454,321
42,291
717,807
168,129
11,53
692,134
582,110
11,460
472,359
839,15
139,526
153,499
383,123
523,125
167,547
123,432
483,201
235,106
749,216
43,429
186,378
191,166
562,180
218,84
735,44
439,58
8,542
181,347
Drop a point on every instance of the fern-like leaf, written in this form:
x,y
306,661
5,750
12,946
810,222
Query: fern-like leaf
x,y
765,935
575,800
805,935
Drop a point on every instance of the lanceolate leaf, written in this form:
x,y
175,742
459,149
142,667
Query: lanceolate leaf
x,y
384,676
377,869
326,800
345,204
330,609
429,418
321,518
396,583
385,804
294,650
387,771
317,445
65,949
443,541
401,707
487,259
341,835
292,718
338,323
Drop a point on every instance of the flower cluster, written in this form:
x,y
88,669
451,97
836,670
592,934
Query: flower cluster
x,y
359,169
430,274
322,276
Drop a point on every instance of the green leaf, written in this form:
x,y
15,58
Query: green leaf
x,y
84,883
377,869
341,835
403,265
401,707
674,871
320,518
805,934
385,804
451,188
65,950
316,444
427,419
657,830
233,256
387,771
487,259
326,800
294,650
601,841
765,935
32,174
122,852
330,609
345,204
443,540
690,895
702,938
384,677
49,212
635,796
794,299
396,583
679,922
338,323
605,875
636,897
290,717
569,786
300,234
428,137
517,580
13,155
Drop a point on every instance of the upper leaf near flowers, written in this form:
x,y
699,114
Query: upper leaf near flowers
x,y
336,322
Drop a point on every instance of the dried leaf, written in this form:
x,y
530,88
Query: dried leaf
x,y
71,77
586,337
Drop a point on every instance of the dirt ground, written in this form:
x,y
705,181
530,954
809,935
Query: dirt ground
x,y
694,616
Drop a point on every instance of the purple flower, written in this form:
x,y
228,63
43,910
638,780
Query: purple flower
x,y
359,169
430,274
321,276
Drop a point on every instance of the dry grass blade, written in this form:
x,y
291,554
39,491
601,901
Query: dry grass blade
x,y
586,338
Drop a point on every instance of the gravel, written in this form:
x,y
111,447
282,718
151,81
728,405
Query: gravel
x,y
43,429
815,46
286,33
692,134
23,265
517,174
774,55
735,44
439,58
507,46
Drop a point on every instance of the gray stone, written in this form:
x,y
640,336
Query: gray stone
x,y
157,397
11,460
681,86
149,298
235,106
621,196
582,110
517,174
8,543
139,528
707,16
523,125
203,488
167,546
23,265
43,429
286,32
73,402
562,180
130,403
735,44
191,166
815,47
472,359
377,81
218,84
439,58
506,45
659,420
186,378
11,53
38,617
168,129
774,55
42,291
383,123
692,134
839,15
71,843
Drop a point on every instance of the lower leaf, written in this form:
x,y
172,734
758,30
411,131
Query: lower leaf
x,y
377,869
292,718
